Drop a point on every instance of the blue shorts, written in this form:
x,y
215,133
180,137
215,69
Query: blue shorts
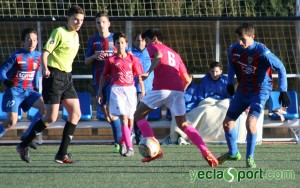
x,y
241,101
16,97
105,91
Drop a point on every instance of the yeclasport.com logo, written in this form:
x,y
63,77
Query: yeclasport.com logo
x,y
234,175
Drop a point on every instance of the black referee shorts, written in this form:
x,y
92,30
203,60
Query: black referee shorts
x,y
58,86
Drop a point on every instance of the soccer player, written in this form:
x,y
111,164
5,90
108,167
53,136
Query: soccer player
x,y
122,68
252,63
57,58
170,81
214,83
140,51
19,73
100,47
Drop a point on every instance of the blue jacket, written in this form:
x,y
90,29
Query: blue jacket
x,y
190,96
146,62
216,89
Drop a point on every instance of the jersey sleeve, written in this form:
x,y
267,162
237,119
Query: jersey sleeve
x,y
276,64
230,69
7,66
137,66
53,40
106,71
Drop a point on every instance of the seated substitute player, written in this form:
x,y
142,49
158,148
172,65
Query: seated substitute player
x,y
252,63
19,74
57,59
214,83
122,68
167,65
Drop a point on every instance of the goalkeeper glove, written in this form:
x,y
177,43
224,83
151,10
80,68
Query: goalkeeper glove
x,y
230,89
284,99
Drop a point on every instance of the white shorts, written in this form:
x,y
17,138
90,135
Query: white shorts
x,y
174,100
123,100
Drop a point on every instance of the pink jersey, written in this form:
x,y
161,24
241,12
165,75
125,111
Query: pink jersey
x,y
168,71
122,70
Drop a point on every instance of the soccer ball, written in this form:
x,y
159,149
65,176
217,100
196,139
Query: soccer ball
x,y
149,147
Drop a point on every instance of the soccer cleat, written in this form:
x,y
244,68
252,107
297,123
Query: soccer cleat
x,y
250,163
32,145
210,158
129,153
226,157
117,148
63,159
123,149
24,153
147,160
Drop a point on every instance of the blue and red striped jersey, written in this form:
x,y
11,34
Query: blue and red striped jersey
x,y
22,68
253,68
99,44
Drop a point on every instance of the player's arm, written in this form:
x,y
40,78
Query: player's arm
x,y
231,73
90,56
186,80
44,63
282,78
106,72
5,67
155,61
138,69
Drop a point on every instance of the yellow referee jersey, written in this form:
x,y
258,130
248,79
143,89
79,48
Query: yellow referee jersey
x,y
63,46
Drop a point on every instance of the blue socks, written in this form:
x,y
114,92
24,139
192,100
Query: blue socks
x,y
2,131
231,137
116,128
35,119
251,141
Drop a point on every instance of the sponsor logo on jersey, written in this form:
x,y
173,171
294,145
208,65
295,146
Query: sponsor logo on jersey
x,y
236,55
26,75
248,69
21,62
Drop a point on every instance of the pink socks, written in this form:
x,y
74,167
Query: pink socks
x,y
145,128
195,137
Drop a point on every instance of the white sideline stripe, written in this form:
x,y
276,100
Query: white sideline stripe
x,y
194,76
90,124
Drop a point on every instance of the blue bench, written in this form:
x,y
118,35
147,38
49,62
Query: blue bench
x,y
85,107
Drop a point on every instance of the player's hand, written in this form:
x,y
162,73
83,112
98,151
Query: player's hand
x,y
142,95
46,73
8,83
284,99
102,55
230,89
143,77
99,98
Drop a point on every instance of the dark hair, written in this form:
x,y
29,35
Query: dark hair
x,y
75,9
216,64
26,31
151,33
245,28
101,14
119,35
